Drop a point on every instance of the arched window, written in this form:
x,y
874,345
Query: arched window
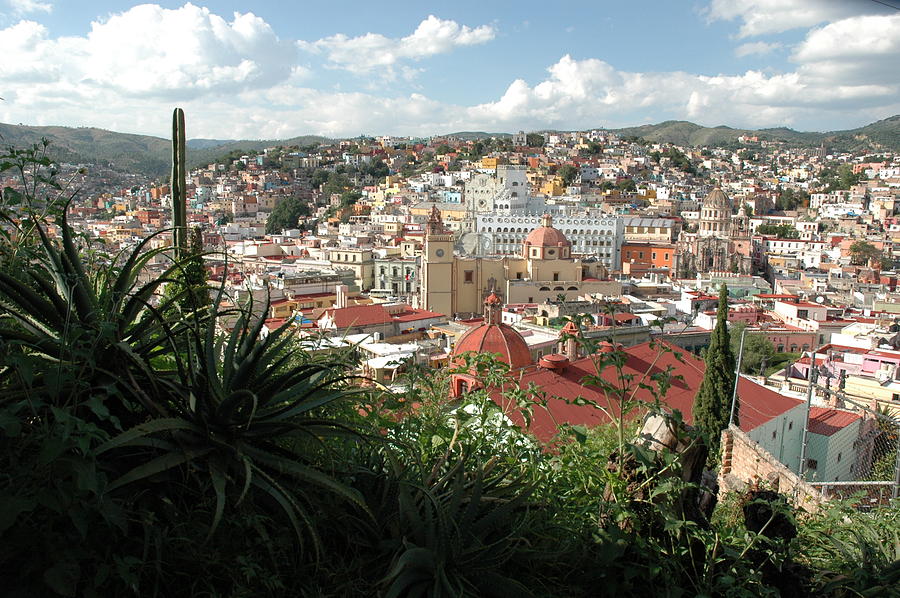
x,y
544,289
572,289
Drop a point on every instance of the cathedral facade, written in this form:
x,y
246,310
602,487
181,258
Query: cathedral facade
x,y
544,269
721,242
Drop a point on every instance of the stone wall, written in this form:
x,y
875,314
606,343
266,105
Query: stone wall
x,y
746,463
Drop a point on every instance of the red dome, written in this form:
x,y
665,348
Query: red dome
x,y
546,236
496,338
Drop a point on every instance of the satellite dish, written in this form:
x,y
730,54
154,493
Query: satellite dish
x,y
820,299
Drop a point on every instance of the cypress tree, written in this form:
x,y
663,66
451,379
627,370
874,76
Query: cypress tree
x,y
712,405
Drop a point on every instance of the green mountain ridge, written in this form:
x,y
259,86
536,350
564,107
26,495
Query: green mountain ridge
x,y
881,135
150,155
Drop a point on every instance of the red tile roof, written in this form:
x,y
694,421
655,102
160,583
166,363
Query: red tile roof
x,y
359,315
760,404
827,422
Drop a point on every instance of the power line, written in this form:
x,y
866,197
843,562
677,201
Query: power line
x,y
886,4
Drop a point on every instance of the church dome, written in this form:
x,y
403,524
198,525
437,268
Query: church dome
x,y
496,338
547,236
717,199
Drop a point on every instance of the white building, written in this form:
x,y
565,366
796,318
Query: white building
x,y
597,236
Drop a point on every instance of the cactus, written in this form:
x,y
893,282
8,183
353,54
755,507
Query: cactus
x,y
179,207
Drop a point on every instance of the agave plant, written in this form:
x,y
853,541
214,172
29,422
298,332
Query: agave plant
x,y
95,332
246,416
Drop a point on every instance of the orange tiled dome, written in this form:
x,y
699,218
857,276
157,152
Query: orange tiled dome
x,y
496,338
547,236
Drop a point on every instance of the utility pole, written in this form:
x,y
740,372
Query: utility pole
x,y
737,377
811,381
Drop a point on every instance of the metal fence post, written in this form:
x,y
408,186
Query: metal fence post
x,y
811,380
896,492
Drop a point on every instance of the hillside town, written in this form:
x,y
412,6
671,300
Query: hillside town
x,y
417,251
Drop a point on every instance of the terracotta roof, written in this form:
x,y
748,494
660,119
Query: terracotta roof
x,y
547,236
761,404
359,315
500,339
827,422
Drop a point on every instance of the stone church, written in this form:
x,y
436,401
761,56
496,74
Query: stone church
x,y
544,269
721,242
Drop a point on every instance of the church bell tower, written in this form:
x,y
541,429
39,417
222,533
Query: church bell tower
x,y
437,266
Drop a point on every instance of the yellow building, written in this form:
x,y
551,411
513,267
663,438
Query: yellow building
x,y
489,162
545,268
553,185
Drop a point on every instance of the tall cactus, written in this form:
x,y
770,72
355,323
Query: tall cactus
x,y
179,206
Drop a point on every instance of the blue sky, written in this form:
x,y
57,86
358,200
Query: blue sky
x,y
278,69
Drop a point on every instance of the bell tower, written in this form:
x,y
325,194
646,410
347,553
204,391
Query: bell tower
x,y
437,266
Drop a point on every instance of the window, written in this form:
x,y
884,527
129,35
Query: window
x,y
839,458
469,276
666,256
802,313
531,300
812,464
555,276
518,276
654,256
641,255
790,425
774,433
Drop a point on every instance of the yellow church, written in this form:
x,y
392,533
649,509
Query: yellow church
x,y
457,285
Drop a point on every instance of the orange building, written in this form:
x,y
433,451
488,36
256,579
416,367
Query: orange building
x,y
640,257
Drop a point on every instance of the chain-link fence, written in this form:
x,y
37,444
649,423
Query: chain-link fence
x,y
851,448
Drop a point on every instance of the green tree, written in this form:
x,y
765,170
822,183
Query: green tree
x,y
790,199
862,251
782,231
443,149
758,349
627,185
568,173
534,140
287,214
713,401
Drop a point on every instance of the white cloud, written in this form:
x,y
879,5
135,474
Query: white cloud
x,y
27,7
237,79
760,17
759,48
366,53
152,51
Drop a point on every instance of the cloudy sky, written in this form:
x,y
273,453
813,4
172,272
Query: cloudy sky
x,y
269,69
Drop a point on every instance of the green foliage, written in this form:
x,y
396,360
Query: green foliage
x,y
838,178
782,231
286,214
790,199
863,251
534,140
758,350
568,173
712,404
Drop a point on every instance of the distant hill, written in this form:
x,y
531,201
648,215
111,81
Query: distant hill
x,y
474,135
122,151
151,155
881,135
142,154
206,143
